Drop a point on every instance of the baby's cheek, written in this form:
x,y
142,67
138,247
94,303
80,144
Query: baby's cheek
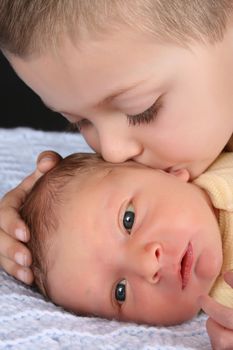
x,y
208,265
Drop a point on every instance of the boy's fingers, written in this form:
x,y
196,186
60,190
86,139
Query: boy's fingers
x,y
228,277
11,223
47,160
12,201
218,312
13,250
15,258
16,197
24,274
220,337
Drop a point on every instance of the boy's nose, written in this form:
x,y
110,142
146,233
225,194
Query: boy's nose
x,y
118,150
146,262
117,146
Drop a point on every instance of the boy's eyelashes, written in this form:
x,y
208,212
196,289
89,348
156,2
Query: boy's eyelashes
x,y
145,117
77,126
82,123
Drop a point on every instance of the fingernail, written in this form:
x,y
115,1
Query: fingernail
x,y
45,159
20,258
21,234
22,275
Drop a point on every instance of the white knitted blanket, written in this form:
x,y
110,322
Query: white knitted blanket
x,y
27,321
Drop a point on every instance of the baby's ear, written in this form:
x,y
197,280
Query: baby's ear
x,y
182,174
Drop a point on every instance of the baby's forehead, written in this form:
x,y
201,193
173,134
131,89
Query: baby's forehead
x,y
104,168
129,164
106,174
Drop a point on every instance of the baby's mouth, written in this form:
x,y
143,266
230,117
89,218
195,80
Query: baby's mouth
x,y
185,265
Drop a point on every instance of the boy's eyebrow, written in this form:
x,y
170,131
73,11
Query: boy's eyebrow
x,y
120,92
106,99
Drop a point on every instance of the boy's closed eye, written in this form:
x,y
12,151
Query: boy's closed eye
x,y
145,117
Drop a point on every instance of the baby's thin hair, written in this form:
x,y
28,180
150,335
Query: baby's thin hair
x,y
31,27
40,208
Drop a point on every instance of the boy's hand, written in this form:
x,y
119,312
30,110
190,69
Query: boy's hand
x,y
220,322
15,258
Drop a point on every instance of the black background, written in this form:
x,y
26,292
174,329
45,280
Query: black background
x,y
21,107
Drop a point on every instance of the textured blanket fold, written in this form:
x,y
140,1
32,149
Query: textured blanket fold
x,y
27,321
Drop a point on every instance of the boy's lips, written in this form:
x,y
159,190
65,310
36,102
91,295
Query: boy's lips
x,y
186,265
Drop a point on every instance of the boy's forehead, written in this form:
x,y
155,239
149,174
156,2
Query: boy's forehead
x,y
94,62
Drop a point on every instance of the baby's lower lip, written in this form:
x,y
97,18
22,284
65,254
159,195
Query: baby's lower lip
x,y
186,265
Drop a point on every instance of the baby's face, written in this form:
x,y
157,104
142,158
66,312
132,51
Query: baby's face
x,y
106,86
134,244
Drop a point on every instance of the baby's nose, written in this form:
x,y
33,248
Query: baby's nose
x,y
146,262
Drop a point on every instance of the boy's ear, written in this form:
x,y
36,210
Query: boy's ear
x,y
182,174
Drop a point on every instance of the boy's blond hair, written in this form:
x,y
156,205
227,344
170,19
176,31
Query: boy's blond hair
x,y
32,26
40,208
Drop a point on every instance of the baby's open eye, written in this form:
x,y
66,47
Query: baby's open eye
x,y
120,291
128,219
